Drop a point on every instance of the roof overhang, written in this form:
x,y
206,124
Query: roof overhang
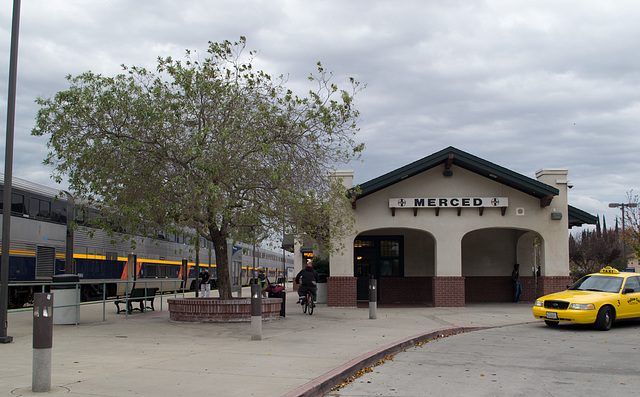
x,y
578,217
452,156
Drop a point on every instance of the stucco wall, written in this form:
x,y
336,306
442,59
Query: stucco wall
x,y
523,217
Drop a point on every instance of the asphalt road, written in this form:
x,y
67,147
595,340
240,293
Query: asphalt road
x,y
519,360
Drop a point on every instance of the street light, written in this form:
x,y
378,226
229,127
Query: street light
x,y
624,243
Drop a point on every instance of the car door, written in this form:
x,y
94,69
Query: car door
x,y
630,301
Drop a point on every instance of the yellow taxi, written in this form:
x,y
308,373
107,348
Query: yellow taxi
x,y
597,298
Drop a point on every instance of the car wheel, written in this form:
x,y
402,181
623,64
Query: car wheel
x,y
551,323
604,319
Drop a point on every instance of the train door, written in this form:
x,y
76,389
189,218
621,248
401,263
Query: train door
x,y
132,262
184,272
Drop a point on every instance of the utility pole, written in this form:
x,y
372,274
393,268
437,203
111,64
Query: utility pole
x,y
8,175
624,243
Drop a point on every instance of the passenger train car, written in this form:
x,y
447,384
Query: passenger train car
x,y
42,238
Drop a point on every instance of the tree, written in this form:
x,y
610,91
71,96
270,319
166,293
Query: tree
x,y
593,249
210,145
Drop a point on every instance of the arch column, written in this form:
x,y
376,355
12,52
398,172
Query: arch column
x,y
448,283
342,285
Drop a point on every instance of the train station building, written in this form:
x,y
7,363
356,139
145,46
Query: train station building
x,y
447,230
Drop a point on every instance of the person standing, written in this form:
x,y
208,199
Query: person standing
x,y
205,287
517,287
263,281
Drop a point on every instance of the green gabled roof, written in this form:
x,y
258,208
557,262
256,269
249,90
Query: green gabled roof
x,y
578,217
464,160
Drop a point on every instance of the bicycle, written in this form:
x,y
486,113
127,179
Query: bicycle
x,y
307,303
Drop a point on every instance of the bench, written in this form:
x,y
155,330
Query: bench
x,y
139,295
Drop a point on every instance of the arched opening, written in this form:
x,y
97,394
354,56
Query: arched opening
x,y
402,260
488,258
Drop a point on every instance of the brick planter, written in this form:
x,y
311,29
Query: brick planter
x,y
214,310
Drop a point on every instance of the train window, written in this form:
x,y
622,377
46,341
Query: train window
x,y
94,218
59,211
39,208
17,203
152,270
79,216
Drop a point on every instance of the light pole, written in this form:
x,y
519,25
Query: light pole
x,y
624,243
8,175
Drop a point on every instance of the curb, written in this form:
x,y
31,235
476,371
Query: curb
x,y
323,384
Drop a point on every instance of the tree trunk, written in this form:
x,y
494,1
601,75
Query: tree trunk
x,y
222,265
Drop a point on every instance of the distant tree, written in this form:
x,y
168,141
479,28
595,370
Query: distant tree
x,y
594,249
207,144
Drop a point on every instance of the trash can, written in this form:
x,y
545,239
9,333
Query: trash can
x,y
67,296
321,294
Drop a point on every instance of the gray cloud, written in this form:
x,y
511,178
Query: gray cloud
x,y
523,85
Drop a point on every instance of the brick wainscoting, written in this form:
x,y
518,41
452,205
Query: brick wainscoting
x,y
549,285
443,291
342,292
500,289
212,310
448,292
491,289
405,289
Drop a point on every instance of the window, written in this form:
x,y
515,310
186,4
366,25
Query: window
x,y
39,208
380,256
390,258
59,211
633,283
363,244
152,270
389,248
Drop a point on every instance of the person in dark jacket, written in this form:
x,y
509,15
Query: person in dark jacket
x,y
308,279
517,287
205,287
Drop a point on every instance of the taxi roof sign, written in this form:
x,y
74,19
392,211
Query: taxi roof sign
x,y
608,270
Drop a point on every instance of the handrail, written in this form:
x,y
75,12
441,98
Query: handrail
x,y
42,286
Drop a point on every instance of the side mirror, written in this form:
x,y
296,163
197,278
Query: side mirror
x,y
628,291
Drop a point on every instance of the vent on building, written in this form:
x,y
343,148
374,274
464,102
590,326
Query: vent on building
x,y
45,261
520,211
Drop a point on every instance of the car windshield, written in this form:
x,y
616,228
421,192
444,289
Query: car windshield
x,y
598,283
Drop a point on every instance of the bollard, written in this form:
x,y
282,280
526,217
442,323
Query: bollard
x,y
256,312
373,299
42,342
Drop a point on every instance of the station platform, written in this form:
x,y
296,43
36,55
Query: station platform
x,y
145,354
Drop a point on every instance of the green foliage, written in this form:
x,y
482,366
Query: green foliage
x,y
207,143
321,265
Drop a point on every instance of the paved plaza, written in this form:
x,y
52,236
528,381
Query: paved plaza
x,y
146,354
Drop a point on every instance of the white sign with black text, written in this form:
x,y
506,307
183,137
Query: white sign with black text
x,y
448,202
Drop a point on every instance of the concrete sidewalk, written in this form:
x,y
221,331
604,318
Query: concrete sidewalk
x,y
146,354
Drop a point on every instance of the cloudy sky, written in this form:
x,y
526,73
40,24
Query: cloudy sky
x,y
526,85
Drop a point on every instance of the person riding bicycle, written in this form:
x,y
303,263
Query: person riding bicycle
x,y
308,279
